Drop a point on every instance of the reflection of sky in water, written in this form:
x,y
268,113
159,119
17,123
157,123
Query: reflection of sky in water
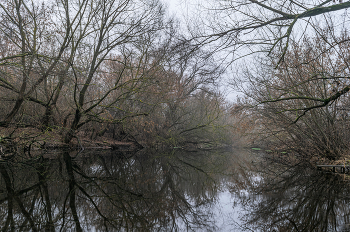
x,y
227,212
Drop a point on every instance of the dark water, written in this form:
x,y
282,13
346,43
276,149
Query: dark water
x,y
169,191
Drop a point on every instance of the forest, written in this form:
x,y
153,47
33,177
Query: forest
x,y
74,72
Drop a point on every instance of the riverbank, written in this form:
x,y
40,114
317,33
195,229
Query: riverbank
x,y
32,138
14,140
286,155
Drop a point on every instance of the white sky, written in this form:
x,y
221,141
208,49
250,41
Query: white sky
x,y
180,8
174,5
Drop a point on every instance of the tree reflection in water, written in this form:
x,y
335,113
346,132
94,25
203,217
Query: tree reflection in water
x,y
293,198
95,191
109,192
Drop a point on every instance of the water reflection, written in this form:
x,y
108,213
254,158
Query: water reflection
x,y
169,191
111,192
293,198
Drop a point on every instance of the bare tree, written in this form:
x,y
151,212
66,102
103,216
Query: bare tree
x,y
244,26
110,27
50,47
305,82
27,30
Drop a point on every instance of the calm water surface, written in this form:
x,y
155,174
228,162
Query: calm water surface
x,y
169,191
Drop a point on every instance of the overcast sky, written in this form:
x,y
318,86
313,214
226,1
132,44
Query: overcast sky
x,y
174,5
180,7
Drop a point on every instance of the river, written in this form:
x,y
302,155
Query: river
x,y
175,190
